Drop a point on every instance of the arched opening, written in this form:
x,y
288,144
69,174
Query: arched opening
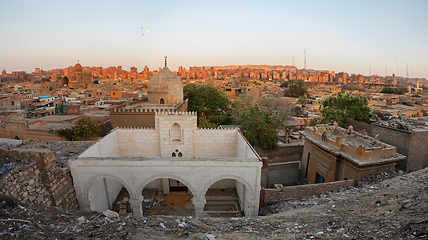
x,y
225,198
175,132
162,101
167,196
16,137
64,82
108,193
173,154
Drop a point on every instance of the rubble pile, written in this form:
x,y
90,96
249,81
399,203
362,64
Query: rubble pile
x,y
390,208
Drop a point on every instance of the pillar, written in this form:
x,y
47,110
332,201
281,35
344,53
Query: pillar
x,y
165,185
199,207
137,208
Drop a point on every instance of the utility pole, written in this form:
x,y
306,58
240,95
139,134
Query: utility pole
x,y
305,58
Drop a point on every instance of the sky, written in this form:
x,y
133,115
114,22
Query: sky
x,y
381,37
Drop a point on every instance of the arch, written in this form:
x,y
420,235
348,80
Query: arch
x,y
173,154
180,154
212,181
175,132
91,181
16,137
140,188
162,101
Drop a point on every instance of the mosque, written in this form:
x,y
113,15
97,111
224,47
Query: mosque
x,y
216,170
165,93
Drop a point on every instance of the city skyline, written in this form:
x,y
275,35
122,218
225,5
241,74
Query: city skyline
x,y
355,37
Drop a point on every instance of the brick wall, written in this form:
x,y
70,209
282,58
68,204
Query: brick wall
x,y
36,179
270,195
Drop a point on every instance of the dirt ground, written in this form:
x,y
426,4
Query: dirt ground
x,y
388,205
395,208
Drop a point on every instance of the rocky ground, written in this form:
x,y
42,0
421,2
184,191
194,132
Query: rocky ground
x,y
63,150
388,205
394,208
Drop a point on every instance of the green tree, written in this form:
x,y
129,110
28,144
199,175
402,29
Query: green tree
x,y
207,101
339,108
296,88
259,121
85,128
391,90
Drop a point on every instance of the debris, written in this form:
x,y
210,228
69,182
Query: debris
x,y
111,214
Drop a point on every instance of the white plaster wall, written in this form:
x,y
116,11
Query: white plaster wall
x,y
138,142
106,147
156,184
243,148
240,188
225,183
215,143
187,126
114,187
98,196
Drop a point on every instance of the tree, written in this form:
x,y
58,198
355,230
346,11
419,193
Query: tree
x,y
296,89
207,101
85,128
259,122
391,90
339,108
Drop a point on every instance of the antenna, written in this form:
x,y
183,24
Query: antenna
x,y
304,51
165,59
407,71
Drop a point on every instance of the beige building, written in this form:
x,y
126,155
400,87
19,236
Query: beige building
x,y
165,93
202,161
332,153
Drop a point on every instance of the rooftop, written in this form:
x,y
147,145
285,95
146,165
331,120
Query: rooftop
x,y
356,147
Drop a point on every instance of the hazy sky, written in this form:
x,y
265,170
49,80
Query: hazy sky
x,y
337,35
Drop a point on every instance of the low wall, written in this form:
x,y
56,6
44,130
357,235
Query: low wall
x,y
359,126
36,179
269,195
284,153
286,174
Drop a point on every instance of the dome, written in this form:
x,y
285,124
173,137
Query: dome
x,y
77,68
165,87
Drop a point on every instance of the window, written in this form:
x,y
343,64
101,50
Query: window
x,y
175,132
319,179
162,101
173,154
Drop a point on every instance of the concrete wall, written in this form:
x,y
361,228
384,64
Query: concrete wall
x,y
359,126
395,137
418,152
215,143
286,174
275,195
225,183
285,153
130,119
244,149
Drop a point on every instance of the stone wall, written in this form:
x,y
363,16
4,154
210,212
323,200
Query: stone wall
x,y
360,126
36,178
276,195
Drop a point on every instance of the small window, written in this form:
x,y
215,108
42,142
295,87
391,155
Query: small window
x,y
162,101
173,154
180,154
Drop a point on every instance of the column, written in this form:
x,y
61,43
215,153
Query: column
x,y
199,207
137,208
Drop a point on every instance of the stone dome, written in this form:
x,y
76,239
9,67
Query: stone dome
x,y
165,87
77,67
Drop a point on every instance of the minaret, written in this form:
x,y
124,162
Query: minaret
x,y
165,59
